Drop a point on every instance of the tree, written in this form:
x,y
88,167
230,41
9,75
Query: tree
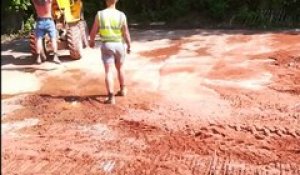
x,y
17,5
17,14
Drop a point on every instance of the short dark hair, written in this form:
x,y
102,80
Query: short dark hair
x,y
40,2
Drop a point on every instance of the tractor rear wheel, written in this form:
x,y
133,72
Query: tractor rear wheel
x,y
74,42
32,43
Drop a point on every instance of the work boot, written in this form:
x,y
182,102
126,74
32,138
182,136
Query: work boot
x,y
110,99
56,59
122,92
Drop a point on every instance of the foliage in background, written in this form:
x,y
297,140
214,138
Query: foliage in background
x,y
217,8
268,13
17,5
90,9
229,12
17,16
246,12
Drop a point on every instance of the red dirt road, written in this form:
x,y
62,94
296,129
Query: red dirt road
x,y
200,102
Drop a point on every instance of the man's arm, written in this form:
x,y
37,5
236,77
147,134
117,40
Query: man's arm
x,y
94,31
126,36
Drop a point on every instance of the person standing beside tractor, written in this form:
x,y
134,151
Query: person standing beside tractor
x,y
111,25
44,24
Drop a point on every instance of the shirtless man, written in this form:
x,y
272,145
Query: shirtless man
x,y
44,24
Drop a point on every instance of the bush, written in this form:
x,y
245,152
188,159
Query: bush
x,y
248,12
217,8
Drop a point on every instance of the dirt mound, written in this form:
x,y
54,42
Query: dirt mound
x,y
286,71
223,70
286,59
162,54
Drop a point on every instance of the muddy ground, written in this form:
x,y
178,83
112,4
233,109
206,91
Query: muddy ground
x,y
199,102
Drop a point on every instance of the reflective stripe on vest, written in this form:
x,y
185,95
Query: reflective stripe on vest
x,y
110,28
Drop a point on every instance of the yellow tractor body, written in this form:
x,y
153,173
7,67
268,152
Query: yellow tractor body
x,y
72,9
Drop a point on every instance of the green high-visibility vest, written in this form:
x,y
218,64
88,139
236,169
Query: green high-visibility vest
x,y
110,26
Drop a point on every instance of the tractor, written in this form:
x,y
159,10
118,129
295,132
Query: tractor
x,y
72,31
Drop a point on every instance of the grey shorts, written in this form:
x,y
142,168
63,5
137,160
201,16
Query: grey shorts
x,y
112,52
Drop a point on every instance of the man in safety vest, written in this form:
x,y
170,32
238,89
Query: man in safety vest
x,y
111,25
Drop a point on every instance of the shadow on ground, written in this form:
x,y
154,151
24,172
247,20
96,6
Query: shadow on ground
x,y
72,98
29,60
21,45
10,59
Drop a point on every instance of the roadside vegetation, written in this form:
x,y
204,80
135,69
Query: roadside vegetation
x,y
174,13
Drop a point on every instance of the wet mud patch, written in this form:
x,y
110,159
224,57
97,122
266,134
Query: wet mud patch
x,y
87,108
6,96
286,59
203,52
226,71
178,69
138,127
280,40
239,39
54,109
176,46
286,68
73,82
287,82
161,54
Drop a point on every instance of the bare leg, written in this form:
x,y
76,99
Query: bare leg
x,y
121,74
39,48
109,82
54,45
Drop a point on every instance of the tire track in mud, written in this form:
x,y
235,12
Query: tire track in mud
x,y
164,161
182,143
152,163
